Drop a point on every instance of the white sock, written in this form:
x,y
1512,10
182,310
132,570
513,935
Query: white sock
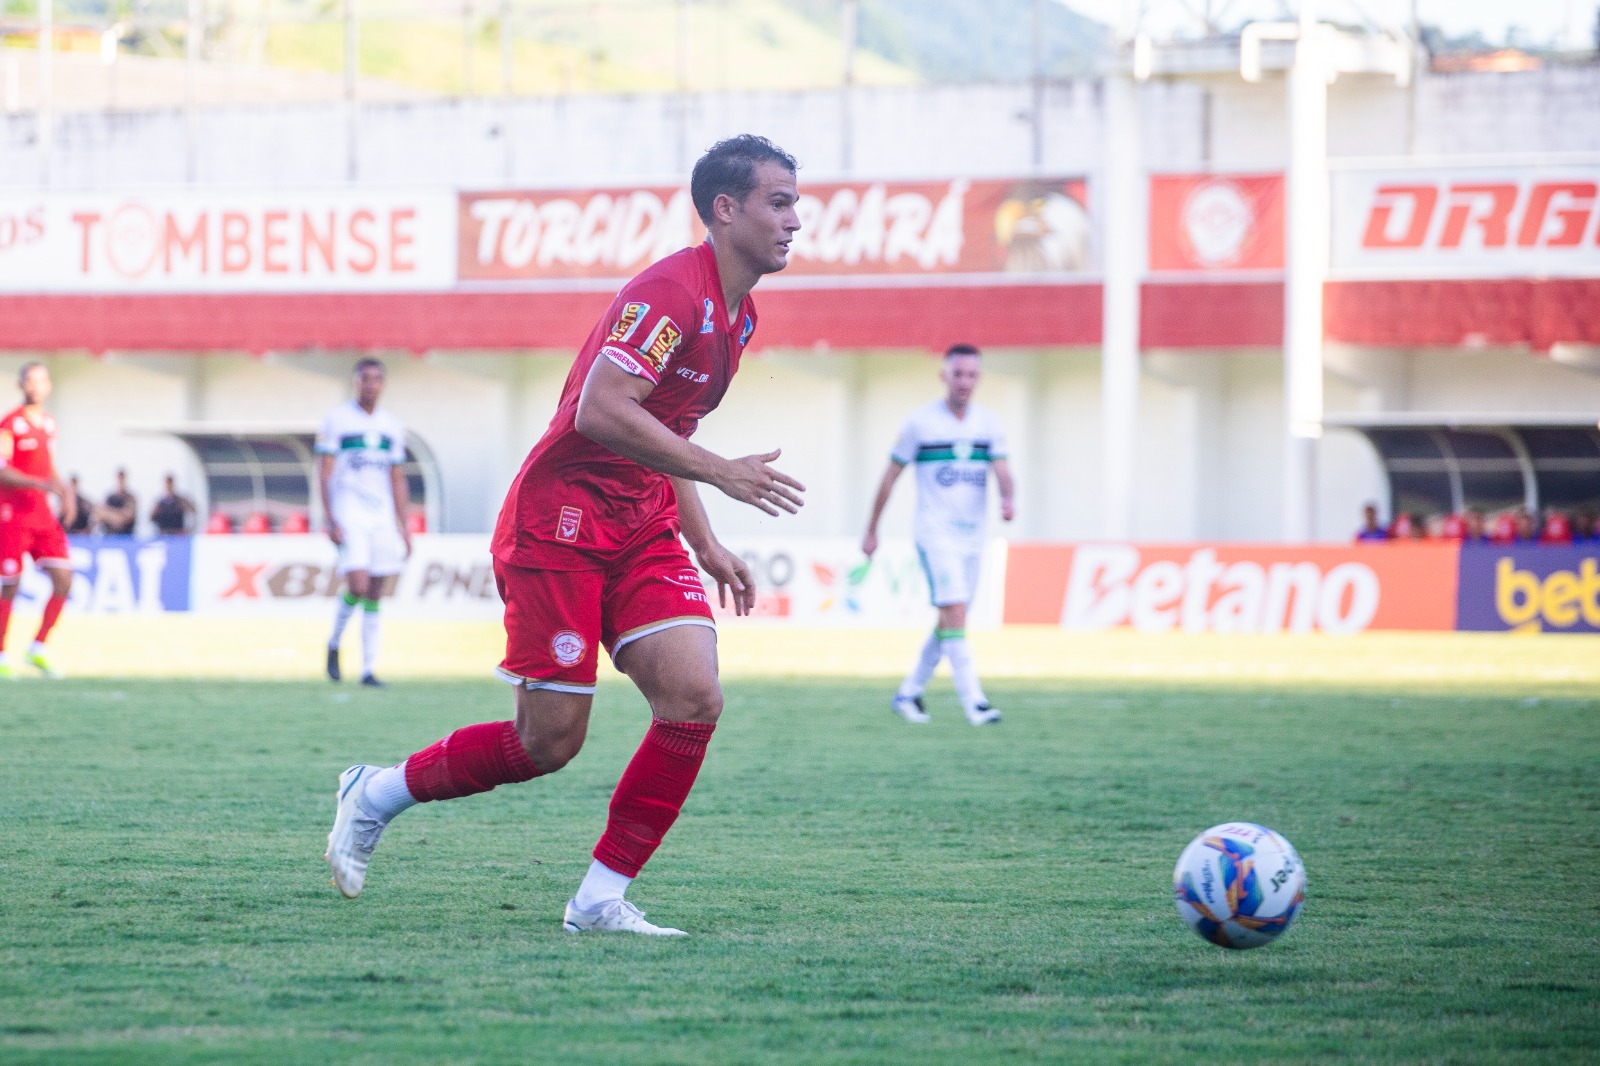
x,y
3,659
386,794
36,648
917,680
963,672
341,617
369,636
600,885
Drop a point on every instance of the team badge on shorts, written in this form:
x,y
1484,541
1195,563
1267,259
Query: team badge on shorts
x,y
568,647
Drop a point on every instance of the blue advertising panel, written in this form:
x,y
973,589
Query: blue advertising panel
x,y
1529,588
121,575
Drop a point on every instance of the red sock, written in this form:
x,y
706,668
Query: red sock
x,y
473,759
52,611
5,621
651,793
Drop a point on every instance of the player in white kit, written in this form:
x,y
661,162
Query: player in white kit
x,y
953,443
364,495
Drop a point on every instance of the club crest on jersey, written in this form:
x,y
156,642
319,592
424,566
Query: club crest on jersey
x,y
706,325
632,315
962,450
749,328
567,525
568,647
661,343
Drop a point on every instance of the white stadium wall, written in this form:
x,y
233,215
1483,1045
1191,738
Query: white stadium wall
x,y
1209,463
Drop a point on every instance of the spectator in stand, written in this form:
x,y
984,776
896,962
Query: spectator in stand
x,y
83,517
1453,527
1527,527
1503,529
1370,529
1557,528
1406,526
1585,530
121,509
1474,521
171,512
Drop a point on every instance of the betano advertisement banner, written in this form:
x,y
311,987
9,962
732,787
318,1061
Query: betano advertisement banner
x,y
903,228
1477,222
1530,589
1216,222
1233,588
303,240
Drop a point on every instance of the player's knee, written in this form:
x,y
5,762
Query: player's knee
x,y
692,703
550,752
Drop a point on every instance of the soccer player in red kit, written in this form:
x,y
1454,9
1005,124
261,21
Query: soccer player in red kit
x,y
27,525
587,550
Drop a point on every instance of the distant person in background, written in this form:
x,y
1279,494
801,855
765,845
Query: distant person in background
x,y
120,512
1557,528
1406,526
953,444
1584,528
28,479
171,513
1503,529
82,510
1453,527
1474,521
1527,528
365,496
1371,528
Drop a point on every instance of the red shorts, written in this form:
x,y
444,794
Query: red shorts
x,y
40,538
555,619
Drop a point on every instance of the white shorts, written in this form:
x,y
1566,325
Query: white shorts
x,y
952,572
372,541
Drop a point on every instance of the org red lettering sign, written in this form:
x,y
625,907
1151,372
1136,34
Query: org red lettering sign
x,y
1027,227
1231,588
229,242
1469,222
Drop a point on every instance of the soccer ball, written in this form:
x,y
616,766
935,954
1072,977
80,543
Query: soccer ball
x,y
1239,885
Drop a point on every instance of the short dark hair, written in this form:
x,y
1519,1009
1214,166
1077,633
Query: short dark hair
x,y
730,167
961,349
370,362
27,368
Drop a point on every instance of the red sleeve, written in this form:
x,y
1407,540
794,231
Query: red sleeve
x,y
649,327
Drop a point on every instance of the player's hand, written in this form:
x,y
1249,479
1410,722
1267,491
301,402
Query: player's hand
x,y
405,535
1008,510
69,502
869,543
750,480
730,573
335,534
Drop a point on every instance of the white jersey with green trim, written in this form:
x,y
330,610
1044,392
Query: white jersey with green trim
x,y
951,456
364,448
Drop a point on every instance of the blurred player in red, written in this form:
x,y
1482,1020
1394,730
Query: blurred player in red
x,y
27,524
587,550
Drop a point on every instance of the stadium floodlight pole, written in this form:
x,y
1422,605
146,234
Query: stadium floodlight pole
x,y
352,65
193,32
1038,84
1122,195
848,15
46,115
1306,257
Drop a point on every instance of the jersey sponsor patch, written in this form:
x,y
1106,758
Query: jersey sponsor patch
x,y
624,358
706,325
567,647
628,323
567,524
749,328
661,343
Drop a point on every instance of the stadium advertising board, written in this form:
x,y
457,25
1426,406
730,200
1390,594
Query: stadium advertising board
x,y
228,241
1531,589
908,228
1233,588
120,575
1477,222
1210,222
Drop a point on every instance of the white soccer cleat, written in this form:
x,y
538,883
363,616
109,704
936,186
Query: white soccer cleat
x,y
614,916
910,708
355,833
983,714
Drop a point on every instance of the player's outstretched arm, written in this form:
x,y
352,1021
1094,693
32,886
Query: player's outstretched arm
x,y
611,413
730,572
869,543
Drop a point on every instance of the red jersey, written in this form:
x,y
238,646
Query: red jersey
x,y
1454,527
577,505
27,448
1557,529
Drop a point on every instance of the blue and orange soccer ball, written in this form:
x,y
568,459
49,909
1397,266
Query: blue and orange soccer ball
x,y
1239,885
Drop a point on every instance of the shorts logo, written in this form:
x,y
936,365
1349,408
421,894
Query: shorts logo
x,y
568,647
689,579
632,314
624,358
706,325
567,525
661,343
749,328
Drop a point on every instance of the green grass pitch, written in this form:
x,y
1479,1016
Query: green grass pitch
x,y
859,890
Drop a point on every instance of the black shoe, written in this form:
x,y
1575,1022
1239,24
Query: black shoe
x,y
333,664
372,682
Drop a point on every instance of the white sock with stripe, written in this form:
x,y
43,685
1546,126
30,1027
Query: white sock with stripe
x,y
962,670
928,661
369,635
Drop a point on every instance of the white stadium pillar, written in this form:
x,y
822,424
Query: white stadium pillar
x,y
1122,194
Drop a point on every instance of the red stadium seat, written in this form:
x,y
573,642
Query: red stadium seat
x,y
296,522
219,523
416,522
256,523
